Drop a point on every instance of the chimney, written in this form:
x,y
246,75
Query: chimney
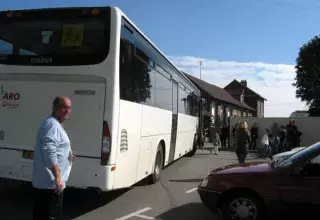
x,y
243,82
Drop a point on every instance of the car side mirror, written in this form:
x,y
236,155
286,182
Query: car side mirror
x,y
297,171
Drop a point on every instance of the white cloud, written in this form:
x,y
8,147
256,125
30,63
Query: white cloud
x,y
272,81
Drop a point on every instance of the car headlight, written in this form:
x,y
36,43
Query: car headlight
x,y
204,183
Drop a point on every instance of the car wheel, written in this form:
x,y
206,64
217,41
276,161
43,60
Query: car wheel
x,y
158,165
242,206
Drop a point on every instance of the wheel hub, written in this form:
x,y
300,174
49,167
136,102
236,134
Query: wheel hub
x,y
243,211
157,168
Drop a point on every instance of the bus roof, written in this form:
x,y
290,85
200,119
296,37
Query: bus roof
x,y
118,10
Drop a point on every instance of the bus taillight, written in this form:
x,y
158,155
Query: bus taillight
x,y
106,144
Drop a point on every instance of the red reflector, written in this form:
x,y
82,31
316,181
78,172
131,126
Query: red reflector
x,y
106,131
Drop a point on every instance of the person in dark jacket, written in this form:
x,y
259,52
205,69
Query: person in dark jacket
x,y
254,136
224,135
293,135
234,129
242,141
282,137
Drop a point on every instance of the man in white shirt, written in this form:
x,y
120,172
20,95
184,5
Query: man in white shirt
x,y
52,162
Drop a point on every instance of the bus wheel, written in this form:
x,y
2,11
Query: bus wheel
x,y
158,165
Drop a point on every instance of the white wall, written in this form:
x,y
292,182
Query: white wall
x,y
309,126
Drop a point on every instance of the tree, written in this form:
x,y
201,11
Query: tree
x,y
307,80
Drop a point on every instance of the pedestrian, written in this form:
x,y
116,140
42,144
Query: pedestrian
x,y
224,135
282,136
216,143
293,135
234,134
254,136
242,141
52,162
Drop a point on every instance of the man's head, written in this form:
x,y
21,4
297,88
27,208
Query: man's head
x,y
61,108
291,122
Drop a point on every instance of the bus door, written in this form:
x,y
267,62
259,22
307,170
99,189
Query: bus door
x,y
174,121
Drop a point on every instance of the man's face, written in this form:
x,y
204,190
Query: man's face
x,y
63,110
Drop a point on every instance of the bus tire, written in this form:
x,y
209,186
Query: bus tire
x,y
194,149
158,166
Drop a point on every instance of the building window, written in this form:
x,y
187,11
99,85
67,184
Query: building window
x,y
234,112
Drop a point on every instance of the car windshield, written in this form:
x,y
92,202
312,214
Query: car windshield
x,y
298,156
286,155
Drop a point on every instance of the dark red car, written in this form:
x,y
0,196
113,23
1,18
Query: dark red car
x,y
259,190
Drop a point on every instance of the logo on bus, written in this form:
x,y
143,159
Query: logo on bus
x,y
9,99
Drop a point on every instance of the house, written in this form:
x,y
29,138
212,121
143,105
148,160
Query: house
x,y
241,92
219,104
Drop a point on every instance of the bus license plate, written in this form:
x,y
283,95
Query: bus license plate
x,y
27,155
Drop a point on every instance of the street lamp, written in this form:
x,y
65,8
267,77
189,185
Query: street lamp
x,y
200,68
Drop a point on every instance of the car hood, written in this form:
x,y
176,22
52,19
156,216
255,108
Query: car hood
x,y
247,168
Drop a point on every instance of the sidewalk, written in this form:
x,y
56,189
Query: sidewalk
x,y
209,145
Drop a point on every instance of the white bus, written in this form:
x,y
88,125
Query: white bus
x,y
133,112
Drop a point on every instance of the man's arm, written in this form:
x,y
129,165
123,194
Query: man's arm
x,y
49,142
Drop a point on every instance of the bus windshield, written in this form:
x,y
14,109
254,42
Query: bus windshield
x,y
54,36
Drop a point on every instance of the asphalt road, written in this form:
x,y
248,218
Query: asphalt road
x,y
173,197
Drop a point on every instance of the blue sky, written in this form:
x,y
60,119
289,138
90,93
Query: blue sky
x,y
257,39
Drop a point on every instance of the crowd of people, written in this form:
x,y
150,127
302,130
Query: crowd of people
x,y
279,139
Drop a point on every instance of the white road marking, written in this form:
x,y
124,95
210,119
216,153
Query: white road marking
x,y
137,214
191,190
145,217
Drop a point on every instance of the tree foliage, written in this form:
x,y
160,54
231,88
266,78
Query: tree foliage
x,y
307,80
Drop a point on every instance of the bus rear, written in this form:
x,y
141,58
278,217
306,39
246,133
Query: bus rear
x,y
48,53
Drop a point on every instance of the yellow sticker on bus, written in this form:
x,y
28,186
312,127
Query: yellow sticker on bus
x,y
72,35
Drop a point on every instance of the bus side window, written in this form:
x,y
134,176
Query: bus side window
x,y
126,65
126,48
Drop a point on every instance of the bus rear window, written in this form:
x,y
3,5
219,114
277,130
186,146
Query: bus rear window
x,y
54,37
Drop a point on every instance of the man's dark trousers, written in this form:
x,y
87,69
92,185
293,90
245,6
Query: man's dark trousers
x,y
48,205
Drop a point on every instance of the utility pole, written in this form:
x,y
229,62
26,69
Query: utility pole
x,y
200,68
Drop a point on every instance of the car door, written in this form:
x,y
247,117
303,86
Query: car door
x,y
311,182
291,190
